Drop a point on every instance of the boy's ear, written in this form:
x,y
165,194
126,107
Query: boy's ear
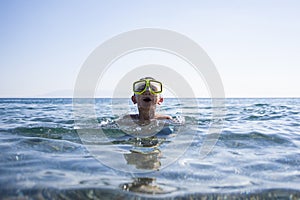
x,y
133,99
160,100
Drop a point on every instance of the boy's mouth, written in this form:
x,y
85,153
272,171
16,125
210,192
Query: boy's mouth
x,y
147,99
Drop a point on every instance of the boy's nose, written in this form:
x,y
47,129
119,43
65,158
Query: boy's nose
x,y
147,91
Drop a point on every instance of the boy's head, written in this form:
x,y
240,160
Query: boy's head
x,y
147,92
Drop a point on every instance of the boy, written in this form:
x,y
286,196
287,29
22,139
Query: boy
x,y
147,95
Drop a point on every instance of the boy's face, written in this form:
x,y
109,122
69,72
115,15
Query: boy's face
x,y
147,99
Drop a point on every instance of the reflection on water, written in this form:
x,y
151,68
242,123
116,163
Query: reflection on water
x,y
145,154
149,161
143,185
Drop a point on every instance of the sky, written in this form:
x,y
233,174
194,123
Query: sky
x,y
254,44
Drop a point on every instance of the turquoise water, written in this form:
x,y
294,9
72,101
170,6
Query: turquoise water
x,y
43,154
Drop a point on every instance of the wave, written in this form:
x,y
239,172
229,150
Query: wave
x,y
255,139
55,133
109,193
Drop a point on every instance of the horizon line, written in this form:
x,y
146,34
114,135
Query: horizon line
x,y
268,97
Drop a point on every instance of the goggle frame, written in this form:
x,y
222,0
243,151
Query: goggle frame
x,y
147,85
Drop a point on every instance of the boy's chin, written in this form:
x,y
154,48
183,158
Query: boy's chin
x,y
147,104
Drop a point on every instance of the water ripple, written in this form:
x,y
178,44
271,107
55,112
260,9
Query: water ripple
x,y
256,155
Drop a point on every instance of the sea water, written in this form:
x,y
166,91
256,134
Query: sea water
x,y
45,153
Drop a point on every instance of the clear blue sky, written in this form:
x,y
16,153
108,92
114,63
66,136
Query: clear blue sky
x,y
254,44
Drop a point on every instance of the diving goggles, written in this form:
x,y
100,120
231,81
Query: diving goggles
x,y
139,87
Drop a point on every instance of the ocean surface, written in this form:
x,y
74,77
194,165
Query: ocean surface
x,y
51,149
